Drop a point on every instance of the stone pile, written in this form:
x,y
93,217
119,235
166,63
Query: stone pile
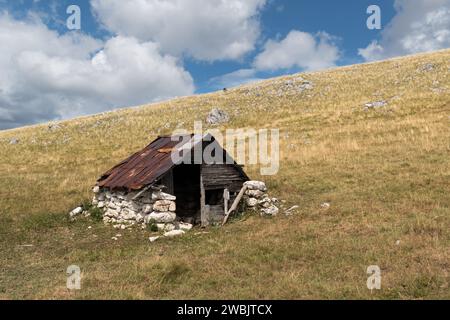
x,y
217,116
256,198
294,86
124,209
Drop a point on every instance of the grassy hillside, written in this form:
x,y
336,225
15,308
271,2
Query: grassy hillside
x,y
385,172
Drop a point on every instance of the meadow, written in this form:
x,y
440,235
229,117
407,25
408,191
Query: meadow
x,y
384,170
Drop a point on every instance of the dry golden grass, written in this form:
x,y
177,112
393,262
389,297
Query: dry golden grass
x,y
386,173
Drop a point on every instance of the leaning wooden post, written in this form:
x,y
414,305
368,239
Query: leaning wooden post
x,y
235,204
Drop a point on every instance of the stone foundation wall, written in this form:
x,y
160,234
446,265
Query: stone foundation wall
x,y
124,209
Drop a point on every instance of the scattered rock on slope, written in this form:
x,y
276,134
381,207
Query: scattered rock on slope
x,y
325,205
375,104
53,127
296,85
427,67
217,116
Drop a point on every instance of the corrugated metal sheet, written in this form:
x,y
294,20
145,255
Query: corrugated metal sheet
x,y
147,166
143,168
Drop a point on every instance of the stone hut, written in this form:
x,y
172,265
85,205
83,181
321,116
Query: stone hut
x,y
169,184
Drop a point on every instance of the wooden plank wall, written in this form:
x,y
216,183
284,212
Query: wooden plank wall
x,y
222,176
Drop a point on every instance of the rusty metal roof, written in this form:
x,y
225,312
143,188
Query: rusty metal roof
x,y
147,166
143,168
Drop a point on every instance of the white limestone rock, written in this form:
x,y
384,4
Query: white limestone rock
x,y
119,204
112,213
75,212
174,233
217,116
256,185
169,227
375,104
252,202
161,217
325,205
427,67
265,203
270,211
128,214
185,226
158,195
165,227
164,206
255,193
112,206
153,239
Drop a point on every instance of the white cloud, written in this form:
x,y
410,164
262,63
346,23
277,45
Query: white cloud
x,y
419,26
203,29
298,49
47,76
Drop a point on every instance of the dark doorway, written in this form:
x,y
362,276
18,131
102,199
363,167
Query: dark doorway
x,y
186,182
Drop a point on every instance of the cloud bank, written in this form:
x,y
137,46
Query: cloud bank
x,y
206,30
419,26
49,76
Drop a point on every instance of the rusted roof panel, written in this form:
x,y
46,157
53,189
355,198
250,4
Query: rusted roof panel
x,y
142,168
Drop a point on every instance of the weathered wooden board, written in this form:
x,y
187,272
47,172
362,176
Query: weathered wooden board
x,y
204,210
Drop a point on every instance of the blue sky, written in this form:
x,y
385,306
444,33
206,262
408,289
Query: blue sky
x,y
134,52
344,19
